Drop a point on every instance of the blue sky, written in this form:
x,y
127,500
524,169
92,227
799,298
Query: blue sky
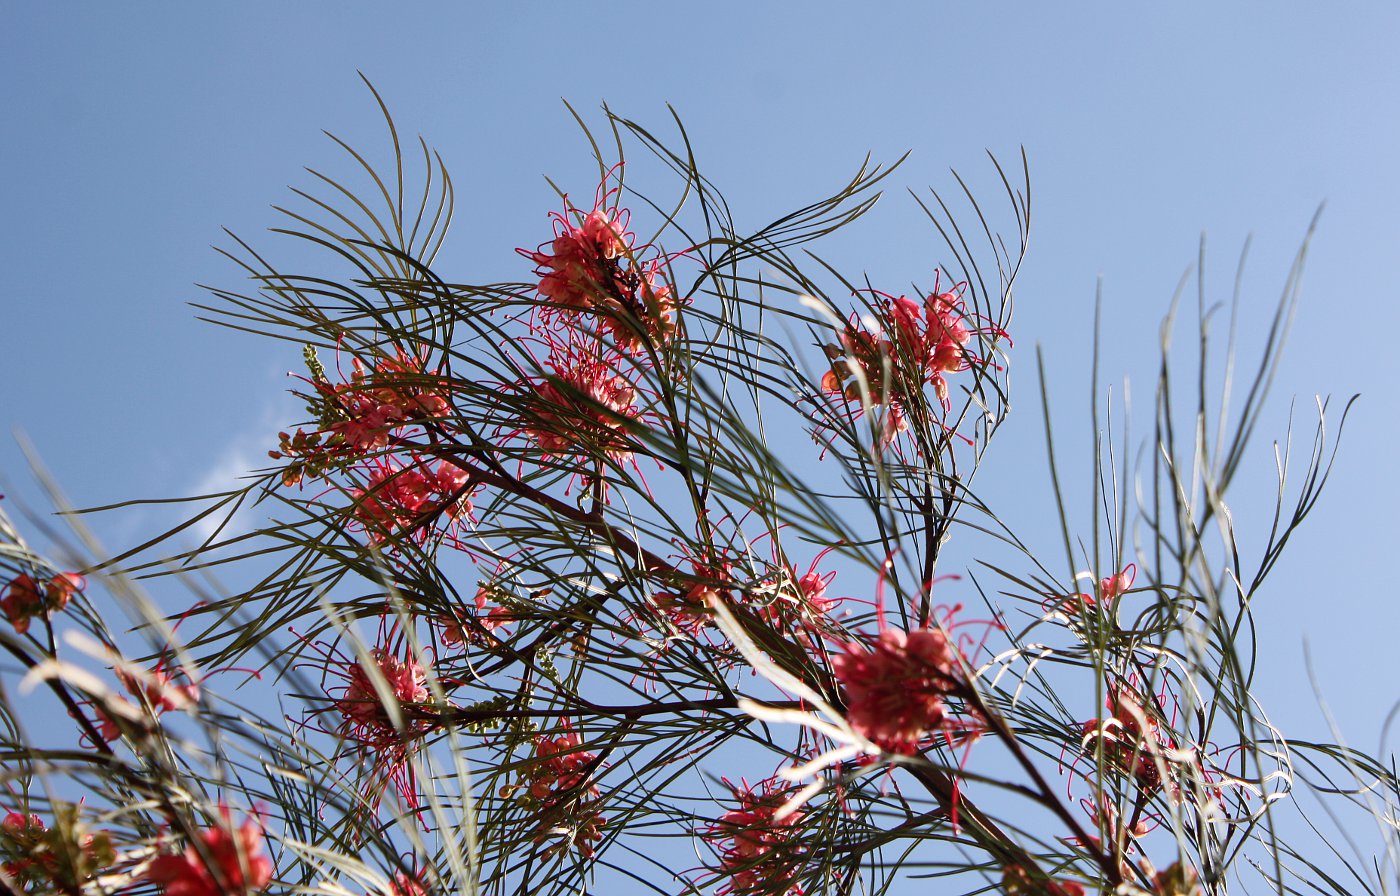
x,y
133,133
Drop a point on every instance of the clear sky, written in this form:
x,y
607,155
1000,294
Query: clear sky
x,y
132,133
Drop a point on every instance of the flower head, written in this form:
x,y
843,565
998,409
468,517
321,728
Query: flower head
x,y
460,628
758,850
408,498
561,787
363,709
897,686
908,346
380,708
61,858
26,598
361,416
223,861
1132,739
592,266
583,409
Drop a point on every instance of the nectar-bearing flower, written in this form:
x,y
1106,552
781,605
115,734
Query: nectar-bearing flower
x,y
759,852
380,708
26,598
897,686
359,703
592,267
562,790
228,861
362,416
61,858
907,346
1132,740
584,409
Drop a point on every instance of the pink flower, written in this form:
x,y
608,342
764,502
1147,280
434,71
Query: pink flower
x,y
584,408
897,686
58,859
405,884
227,862
1132,740
591,266
797,605
380,741
579,269
361,416
1115,585
25,598
457,630
758,854
406,498
688,607
912,346
366,719
561,784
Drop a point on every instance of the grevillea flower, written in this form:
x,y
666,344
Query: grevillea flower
x,y
380,708
561,787
405,884
1110,588
591,266
581,266
797,606
687,607
1132,740
759,852
227,861
911,345
1116,584
1017,881
361,416
59,859
583,410
404,498
157,689
26,598
366,719
897,686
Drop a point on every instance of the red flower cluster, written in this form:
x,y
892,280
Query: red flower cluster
x,y
366,719
363,720
401,498
459,631
609,307
593,267
227,862
758,854
1110,588
897,686
52,860
798,605
561,784
1132,739
360,416
26,598
913,345
688,606
405,884
585,407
